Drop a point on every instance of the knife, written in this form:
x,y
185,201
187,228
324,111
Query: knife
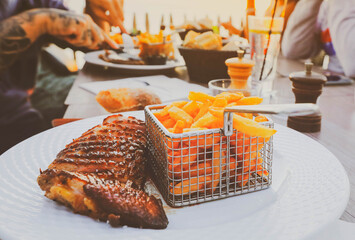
x,y
288,109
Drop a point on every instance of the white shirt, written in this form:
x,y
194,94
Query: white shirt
x,y
306,27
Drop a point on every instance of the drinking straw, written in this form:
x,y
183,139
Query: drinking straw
x,y
134,21
162,25
268,41
147,23
284,9
172,27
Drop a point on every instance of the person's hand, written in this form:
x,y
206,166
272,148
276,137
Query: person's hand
x,y
76,29
110,11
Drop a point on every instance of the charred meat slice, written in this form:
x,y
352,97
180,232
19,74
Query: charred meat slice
x,y
100,174
103,198
126,158
128,206
118,146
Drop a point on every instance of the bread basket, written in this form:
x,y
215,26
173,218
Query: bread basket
x,y
205,65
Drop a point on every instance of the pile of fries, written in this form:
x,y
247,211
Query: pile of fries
x,y
153,38
117,37
155,45
197,162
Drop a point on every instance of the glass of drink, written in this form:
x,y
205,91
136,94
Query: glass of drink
x,y
264,49
225,85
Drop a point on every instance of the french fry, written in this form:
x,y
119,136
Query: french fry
x,y
179,126
232,166
245,115
163,114
251,145
190,185
169,123
203,110
178,104
245,175
205,122
262,172
217,112
247,151
231,97
232,104
180,115
183,162
218,123
203,141
250,101
249,164
252,128
191,108
197,169
242,178
172,143
220,102
219,159
261,118
200,97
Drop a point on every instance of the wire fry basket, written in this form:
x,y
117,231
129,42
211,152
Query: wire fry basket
x,y
207,165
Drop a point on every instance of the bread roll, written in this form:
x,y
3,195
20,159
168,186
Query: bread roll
x,y
126,99
208,40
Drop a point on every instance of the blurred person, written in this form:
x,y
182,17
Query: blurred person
x,y
317,25
281,9
23,26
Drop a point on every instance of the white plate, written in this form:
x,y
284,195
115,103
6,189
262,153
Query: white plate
x,y
166,88
310,189
93,58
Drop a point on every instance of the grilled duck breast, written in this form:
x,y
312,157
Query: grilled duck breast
x,y
100,174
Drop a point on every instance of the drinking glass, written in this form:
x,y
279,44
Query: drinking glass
x,y
224,85
264,49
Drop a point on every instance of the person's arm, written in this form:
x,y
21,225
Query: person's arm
x,y
341,22
17,33
301,37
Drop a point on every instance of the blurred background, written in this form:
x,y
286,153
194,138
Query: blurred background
x,y
190,9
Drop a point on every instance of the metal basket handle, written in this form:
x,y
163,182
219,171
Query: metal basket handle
x,y
297,109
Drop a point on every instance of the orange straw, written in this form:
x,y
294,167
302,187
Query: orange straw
x,y
268,41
